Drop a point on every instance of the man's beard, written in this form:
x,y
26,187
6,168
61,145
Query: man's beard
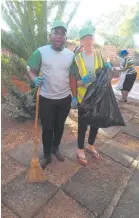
x,y
59,49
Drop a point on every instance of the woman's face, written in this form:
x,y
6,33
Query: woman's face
x,y
87,42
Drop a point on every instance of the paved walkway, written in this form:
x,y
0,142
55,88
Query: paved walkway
x,y
104,189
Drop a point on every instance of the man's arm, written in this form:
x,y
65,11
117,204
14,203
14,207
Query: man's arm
x,y
73,85
74,73
74,77
34,64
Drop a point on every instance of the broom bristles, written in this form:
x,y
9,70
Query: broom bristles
x,y
35,172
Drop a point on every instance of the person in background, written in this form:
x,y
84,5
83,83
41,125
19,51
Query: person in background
x,y
56,63
88,61
128,74
71,46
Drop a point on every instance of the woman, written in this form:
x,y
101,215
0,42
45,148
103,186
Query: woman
x,y
88,61
128,74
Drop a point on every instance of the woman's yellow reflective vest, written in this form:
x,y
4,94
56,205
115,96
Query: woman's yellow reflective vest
x,y
98,63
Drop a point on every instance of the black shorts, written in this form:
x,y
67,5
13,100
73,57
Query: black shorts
x,y
129,82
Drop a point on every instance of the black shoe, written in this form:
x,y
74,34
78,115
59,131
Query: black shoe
x,y
47,159
58,155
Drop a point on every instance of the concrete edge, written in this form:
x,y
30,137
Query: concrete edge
x,y
110,209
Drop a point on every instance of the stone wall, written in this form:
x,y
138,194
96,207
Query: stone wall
x,y
111,52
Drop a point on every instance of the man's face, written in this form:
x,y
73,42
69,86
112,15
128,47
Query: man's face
x,y
58,38
87,42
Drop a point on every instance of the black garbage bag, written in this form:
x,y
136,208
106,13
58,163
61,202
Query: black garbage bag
x,y
99,107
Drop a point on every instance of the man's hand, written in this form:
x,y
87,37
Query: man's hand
x,y
89,78
74,103
38,81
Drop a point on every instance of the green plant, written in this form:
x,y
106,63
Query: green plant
x,y
19,105
29,23
130,25
12,66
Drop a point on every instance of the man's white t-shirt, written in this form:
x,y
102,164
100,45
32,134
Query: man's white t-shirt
x,y
55,67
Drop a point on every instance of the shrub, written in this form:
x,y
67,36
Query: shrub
x,y
19,105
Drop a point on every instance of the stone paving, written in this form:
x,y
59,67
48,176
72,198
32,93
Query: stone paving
x,y
108,188
128,205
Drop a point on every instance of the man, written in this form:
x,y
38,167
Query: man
x,y
128,74
88,62
56,64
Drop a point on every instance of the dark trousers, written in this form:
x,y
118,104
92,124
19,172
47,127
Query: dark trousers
x,y
82,128
53,114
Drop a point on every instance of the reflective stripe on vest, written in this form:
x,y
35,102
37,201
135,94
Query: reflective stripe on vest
x,y
98,63
128,63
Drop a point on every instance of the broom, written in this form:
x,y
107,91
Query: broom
x,y
35,172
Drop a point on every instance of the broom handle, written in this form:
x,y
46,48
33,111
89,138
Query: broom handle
x,y
36,129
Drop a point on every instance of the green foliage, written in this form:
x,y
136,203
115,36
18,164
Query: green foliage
x,y
73,33
108,22
29,23
88,23
119,42
130,25
19,106
73,12
12,66
119,26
